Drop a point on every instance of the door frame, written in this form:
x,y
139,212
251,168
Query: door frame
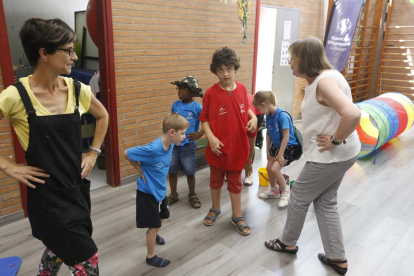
x,y
256,46
107,68
108,89
8,79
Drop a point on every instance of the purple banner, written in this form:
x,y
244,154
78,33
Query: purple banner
x,y
341,29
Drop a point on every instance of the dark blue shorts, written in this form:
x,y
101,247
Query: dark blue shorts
x,y
290,153
149,212
184,157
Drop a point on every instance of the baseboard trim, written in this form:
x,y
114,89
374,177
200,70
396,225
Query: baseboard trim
x,y
7,219
133,178
129,179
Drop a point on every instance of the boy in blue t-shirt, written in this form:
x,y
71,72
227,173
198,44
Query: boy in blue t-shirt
x,y
152,162
184,155
282,147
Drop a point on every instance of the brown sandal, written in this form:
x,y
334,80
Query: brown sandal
x,y
172,199
193,201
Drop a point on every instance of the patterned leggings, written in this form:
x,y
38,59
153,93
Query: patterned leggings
x,y
50,265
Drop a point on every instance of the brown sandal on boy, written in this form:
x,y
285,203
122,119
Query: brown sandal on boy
x,y
172,199
194,201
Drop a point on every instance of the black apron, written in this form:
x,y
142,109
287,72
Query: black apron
x,y
59,210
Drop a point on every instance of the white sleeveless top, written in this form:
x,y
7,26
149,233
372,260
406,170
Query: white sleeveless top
x,y
319,119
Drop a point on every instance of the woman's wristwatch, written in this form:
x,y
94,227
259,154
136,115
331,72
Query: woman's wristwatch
x,y
249,162
335,142
96,150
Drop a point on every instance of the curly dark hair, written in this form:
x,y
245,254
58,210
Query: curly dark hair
x,y
39,33
224,56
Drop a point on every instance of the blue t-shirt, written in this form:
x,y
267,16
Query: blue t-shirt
x,y
155,162
190,111
276,123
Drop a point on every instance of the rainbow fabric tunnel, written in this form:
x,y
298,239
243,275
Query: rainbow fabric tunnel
x,y
383,118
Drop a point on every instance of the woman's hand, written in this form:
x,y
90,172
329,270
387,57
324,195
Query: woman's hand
x,y
324,141
25,173
215,144
88,162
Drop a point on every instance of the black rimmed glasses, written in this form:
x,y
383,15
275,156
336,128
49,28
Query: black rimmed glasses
x,y
69,50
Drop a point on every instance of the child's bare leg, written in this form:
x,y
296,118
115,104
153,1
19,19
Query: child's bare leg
x,y
158,239
151,236
173,183
191,184
236,208
236,205
195,203
284,195
272,176
215,198
153,259
278,176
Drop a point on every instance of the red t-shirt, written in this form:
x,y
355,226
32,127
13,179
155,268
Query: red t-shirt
x,y
227,115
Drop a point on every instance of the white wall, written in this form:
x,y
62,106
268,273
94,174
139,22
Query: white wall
x,y
90,48
18,11
266,48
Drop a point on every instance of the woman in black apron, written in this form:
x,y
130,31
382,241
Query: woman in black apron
x,y
45,111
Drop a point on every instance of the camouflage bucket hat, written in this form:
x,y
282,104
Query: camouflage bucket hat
x,y
191,83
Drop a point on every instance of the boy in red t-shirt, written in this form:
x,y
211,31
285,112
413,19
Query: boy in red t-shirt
x,y
227,122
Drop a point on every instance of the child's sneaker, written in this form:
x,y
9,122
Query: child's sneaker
x,y
248,181
271,193
284,197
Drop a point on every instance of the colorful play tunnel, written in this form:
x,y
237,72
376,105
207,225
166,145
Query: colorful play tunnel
x,y
383,118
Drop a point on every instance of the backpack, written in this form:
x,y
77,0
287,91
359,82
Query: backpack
x,y
298,136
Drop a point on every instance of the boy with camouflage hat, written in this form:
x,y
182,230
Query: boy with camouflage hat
x,y
184,155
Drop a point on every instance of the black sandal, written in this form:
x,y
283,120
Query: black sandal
x,y
330,263
277,245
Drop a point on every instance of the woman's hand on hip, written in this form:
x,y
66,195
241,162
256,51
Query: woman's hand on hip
x,y
324,141
88,162
23,174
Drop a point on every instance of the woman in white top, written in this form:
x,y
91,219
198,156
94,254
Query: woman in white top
x,y
330,145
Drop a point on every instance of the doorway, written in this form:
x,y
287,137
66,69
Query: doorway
x,y
111,175
278,28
